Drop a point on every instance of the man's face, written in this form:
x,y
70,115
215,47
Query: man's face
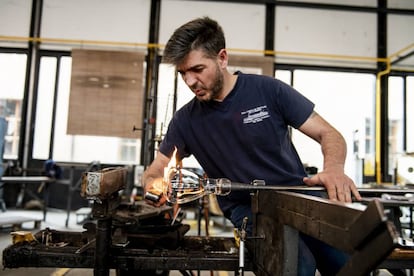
x,y
202,75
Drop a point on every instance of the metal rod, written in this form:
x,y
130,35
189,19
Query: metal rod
x,y
103,242
243,186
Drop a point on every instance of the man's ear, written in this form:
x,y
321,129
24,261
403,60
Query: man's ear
x,y
223,58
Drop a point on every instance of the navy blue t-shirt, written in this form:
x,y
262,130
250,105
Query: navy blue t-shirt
x,y
244,137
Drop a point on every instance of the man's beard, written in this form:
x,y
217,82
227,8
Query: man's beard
x,y
217,85
216,88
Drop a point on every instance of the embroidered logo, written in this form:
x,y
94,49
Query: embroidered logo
x,y
255,115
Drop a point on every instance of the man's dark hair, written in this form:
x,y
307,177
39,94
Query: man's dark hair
x,y
199,34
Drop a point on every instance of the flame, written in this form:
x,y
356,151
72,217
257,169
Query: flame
x,y
169,174
178,190
171,167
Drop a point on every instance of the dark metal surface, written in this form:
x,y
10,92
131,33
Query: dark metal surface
x,y
104,183
366,235
369,254
103,247
134,237
201,253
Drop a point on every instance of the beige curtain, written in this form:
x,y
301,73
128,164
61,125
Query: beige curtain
x,y
106,95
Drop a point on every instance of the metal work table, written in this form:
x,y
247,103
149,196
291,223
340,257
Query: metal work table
x,y
372,189
366,234
44,181
117,241
201,253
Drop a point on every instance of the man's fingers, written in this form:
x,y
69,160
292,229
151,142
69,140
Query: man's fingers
x,y
348,197
331,190
340,193
311,181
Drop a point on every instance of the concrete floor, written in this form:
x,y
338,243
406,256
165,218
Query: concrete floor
x,y
56,219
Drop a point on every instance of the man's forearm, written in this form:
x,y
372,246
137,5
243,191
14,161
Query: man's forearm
x,y
334,150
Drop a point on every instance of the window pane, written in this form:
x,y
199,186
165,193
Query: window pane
x,y
44,107
395,120
12,78
335,94
165,103
284,75
165,100
410,114
82,148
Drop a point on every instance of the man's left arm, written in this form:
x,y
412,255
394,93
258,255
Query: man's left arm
x,y
338,185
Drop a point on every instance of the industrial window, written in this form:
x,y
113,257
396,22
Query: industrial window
x,y
346,100
395,121
284,75
13,72
400,126
44,108
410,115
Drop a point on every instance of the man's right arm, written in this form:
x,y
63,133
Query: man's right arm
x,y
152,178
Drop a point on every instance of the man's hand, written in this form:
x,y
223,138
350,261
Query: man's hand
x,y
152,180
154,192
338,185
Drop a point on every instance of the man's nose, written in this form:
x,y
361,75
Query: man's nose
x,y
190,79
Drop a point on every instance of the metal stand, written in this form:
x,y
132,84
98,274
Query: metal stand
x,y
103,244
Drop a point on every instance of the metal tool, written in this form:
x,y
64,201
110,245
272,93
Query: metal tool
x,y
243,235
186,186
152,196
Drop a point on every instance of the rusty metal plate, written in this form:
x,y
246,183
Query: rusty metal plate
x,y
104,183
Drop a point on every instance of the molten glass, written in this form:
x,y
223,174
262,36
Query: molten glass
x,y
183,186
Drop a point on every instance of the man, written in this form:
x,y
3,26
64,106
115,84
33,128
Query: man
x,y
237,127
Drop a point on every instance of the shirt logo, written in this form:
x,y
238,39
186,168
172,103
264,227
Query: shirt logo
x,y
255,115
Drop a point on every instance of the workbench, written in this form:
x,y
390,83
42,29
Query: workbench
x,y
392,197
366,234
194,253
132,237
23,181
15,222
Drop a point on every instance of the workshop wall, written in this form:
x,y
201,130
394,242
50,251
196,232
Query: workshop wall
x,y
15,21
243,24
297,30
125,21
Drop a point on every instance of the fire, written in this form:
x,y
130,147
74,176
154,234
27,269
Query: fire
x,y
171,167
181,185
169,174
